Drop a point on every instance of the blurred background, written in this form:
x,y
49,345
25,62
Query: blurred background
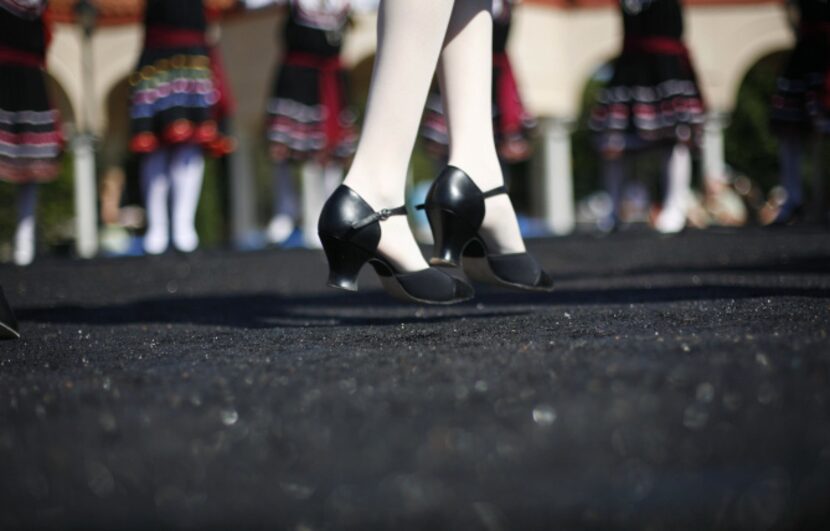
x,y
560,51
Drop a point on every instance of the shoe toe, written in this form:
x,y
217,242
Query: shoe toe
x,y
463,291
545,281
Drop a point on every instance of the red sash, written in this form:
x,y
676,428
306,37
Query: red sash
x,y
508,100
661,45
13,57
170,37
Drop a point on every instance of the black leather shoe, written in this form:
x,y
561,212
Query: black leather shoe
x,y
350,232
455,208
8,323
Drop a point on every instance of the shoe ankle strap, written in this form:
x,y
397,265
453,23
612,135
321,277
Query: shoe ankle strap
x,y
499,190
381,215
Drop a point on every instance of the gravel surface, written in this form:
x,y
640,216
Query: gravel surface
x,y
669,383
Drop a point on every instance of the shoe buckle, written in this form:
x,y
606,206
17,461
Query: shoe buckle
x,y
384,214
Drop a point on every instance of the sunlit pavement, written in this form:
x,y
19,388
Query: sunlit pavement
x,y
669,383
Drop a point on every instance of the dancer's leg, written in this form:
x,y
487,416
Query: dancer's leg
x,y
818,207
24,234
613,177
332,177
466,75
410,36
285,203
187,172
791,152
313,198
677,180
156,185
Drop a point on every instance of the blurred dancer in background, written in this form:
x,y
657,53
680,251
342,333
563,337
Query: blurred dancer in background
x,y
173,118
652,103
512,124
801,105
31,141
309,120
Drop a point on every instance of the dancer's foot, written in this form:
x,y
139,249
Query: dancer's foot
x,y
156,241
790,213
279,229
351,233
397,243
186,240
671,220
24,242
458,209
500,227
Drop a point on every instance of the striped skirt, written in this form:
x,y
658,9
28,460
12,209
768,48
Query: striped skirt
x,y
31,142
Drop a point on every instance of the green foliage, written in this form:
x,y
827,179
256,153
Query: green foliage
x,y
212,215
586,162
751,147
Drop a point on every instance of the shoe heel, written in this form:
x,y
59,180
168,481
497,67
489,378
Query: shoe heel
x,y
345,261
451,233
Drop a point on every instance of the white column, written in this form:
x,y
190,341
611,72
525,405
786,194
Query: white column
x,y
714,155
86,208
558,175
244,233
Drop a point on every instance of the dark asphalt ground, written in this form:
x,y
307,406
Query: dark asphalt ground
x,y
669,383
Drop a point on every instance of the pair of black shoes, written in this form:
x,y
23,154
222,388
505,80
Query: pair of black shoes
x,y
350,232
8,323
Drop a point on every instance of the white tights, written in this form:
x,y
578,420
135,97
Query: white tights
x,y
180,169
677,181
412,35
24,234
676,174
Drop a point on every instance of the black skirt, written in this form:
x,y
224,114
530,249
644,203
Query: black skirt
x,y
308,114
172,98
31,141
801,102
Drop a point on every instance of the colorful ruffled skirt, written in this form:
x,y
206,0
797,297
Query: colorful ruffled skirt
x,y
175,98
652,98
513,125
31,141
802,99
308,115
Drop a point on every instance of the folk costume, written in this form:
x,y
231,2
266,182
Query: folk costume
x,y
178,101
309,120
652,101
801,104
513,125
31,141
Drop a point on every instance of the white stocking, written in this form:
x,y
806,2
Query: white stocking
x,y
677,179
466,75
410,37
285,204
156,186
187,171
313,198
24,234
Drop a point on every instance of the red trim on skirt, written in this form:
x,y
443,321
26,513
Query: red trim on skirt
x,y
329,68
